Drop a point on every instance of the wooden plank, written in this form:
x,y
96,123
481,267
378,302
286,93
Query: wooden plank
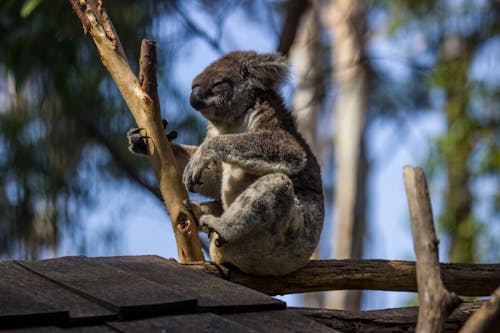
x,y
129,295
200,323
278,322
19,308
214,294
80,309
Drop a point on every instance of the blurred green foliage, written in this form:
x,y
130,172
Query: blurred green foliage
x,y
59,121
469,150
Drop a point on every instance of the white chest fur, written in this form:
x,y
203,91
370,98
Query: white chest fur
x,y
234,181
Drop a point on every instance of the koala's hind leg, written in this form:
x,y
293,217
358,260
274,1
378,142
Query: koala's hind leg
x,y
269,200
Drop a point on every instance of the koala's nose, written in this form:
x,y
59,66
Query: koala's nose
x,y
196,98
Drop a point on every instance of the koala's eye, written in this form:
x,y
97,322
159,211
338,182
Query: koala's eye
x,y
220,82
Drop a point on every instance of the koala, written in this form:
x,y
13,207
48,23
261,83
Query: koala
x,y
268,209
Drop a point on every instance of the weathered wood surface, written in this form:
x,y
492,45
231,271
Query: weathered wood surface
x,y
278,322
390,275
17,307
75,274
41,289
203,322
213,294
113,288
435,301
383,321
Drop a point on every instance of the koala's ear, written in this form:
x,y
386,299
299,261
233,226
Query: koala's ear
x,y
266,71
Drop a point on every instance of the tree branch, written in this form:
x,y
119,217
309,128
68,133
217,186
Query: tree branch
x,y
294,11
391,275
487,318
436,303
142,100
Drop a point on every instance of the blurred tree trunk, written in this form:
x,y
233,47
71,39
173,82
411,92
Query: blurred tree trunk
x,y
306,58
346,20
305,55
456,147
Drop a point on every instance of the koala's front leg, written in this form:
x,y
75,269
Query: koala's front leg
x,y
260,153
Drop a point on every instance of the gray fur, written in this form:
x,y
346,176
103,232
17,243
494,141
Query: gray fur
x,y
256,164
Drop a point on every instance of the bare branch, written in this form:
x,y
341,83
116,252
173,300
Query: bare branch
x,y
436,303
392,275
294,12
487,318
142,100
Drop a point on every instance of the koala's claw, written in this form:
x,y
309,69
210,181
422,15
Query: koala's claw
x,y
206,223
220,241
171,136
136,142
133,131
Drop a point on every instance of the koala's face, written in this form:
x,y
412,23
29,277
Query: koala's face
x,y
225,90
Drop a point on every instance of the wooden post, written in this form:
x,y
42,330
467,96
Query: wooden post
x,y
141,97
436,303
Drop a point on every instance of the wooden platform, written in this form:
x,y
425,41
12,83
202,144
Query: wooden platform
x,y
134,294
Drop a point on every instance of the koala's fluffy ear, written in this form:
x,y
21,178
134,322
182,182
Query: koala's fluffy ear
x,y
266,71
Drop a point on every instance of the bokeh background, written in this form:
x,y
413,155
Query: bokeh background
x,y
375,85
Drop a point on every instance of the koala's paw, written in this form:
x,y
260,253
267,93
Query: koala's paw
x,y
194,170
137,143
210,224
194,207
